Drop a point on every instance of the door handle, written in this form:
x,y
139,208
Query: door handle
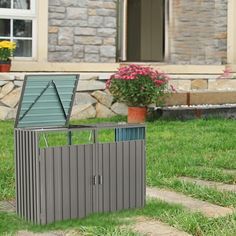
x,y
100,180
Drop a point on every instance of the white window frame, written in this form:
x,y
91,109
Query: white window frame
x,y
22,14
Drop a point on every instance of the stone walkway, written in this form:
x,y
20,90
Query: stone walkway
x,y
27,233
230,172
146,226
211,184
195,205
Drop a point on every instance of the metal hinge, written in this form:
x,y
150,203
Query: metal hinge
x,y
94,180
97,179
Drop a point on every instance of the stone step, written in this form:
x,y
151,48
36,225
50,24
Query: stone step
x,y
203,97
194,205
7,206
146,226
210,184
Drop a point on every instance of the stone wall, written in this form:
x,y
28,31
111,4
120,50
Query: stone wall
x,y
93,100
82,31
198,32
85,31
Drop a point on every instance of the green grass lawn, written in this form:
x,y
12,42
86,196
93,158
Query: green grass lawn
x,y
198,148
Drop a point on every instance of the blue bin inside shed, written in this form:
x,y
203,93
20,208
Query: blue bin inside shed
x,y
127,134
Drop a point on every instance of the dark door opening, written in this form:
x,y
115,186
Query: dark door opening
x,y
145,30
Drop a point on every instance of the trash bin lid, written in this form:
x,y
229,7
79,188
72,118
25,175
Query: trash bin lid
x,y
46,101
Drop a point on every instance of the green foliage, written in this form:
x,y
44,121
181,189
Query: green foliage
x,y
138,85
139,92
6,50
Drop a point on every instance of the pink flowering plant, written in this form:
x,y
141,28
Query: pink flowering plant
x,y
138,85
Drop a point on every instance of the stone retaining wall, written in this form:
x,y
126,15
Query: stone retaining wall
x,y
93,100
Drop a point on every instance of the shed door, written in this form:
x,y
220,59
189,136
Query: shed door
x,y
145,30
121,166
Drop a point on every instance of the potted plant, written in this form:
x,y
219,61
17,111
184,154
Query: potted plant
x,y
138,86
6,51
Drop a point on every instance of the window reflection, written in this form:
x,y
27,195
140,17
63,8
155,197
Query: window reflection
x,y
23,48
22,28
21,4
4,27
5,3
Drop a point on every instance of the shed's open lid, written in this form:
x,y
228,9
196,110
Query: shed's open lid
x,y
46,101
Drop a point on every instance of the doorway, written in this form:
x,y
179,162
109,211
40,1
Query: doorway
x,y
143,31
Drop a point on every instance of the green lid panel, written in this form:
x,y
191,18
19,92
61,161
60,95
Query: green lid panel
x,y
46,101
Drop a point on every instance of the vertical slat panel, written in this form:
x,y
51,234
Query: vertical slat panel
x,y
24,177
81,180
74,181
49,185
119,171
27,174
16,166
43,186
95,173
126,179
22,172
35,182
31,176
37,179
66,182
58,183
17,159
138,177
100,171
113,174
143,172
132,173
106,177
88,178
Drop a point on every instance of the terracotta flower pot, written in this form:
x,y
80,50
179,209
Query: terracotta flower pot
x,y
137,114
5,66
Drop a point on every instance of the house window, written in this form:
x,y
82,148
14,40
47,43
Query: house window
x,y
17,23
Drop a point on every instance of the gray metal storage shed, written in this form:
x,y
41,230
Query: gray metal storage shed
x,y
71,180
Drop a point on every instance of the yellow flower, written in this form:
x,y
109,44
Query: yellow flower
x,y
8,45
6,50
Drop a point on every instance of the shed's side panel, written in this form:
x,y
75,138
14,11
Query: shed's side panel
x,y
25,167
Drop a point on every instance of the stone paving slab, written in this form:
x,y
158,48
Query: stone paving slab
x,y
53,233
230,172
7,206
195,205
27,233
145,226
211,184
